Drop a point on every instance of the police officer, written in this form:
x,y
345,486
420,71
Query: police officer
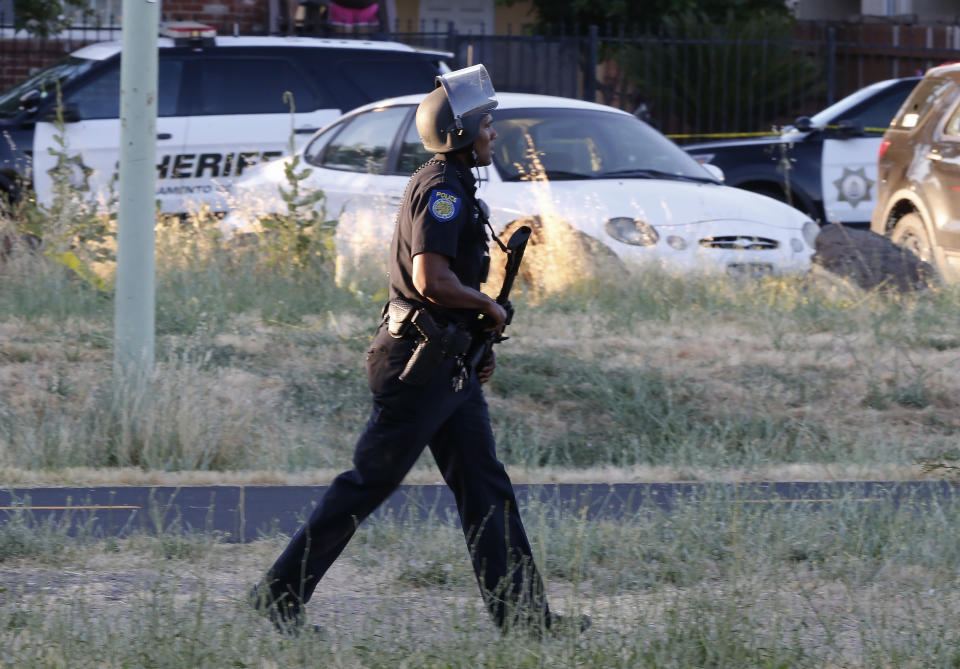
x,y
424,393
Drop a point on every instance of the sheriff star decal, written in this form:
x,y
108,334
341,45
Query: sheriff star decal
x,y
444,205
853,186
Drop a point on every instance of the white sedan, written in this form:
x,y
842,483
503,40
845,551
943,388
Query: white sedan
x,y
564,166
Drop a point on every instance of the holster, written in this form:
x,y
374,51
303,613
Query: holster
x,y
408,320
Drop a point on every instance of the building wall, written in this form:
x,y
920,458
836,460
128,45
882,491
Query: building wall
x,y
885,7
513,20
18,61
246,16
408,15
936,10
826,10
919,11
506,19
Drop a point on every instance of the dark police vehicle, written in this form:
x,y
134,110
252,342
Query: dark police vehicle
x,y
825,165
220,109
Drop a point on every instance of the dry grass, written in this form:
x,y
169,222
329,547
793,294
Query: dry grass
x,y
638,376
263,400
744,587
113,476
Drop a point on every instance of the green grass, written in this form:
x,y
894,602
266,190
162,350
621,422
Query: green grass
x,y
260,370
714,583
260,367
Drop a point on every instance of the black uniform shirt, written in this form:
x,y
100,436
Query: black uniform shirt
x,y
439,214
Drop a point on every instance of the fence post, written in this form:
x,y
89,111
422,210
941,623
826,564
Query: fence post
x,y
590,70
831,63
452,41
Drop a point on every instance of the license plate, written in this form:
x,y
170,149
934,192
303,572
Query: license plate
x,y
749,268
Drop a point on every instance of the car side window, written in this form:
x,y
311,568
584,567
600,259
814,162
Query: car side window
x,y
923,98
364,144
246,85
385,78
412,153
99,97
170,73
952,128
877,114
313,153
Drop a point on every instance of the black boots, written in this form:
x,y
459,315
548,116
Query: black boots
x,y
286,613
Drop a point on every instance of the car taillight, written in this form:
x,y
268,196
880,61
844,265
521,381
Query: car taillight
x,y
884,145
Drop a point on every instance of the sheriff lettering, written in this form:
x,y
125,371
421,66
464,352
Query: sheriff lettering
x,y
211,165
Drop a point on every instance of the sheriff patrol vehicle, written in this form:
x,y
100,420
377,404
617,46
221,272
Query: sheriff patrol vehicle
x,y
221,108
825,165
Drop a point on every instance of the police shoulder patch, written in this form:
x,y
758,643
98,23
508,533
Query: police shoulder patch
x,y
444,205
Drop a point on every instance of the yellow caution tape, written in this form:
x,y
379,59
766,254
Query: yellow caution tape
x,y
769,133
71,261
721,135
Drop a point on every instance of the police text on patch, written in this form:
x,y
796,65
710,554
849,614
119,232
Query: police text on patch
x,y
444,205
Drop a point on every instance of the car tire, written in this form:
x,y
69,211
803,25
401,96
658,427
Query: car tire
x,y
773,192
557,256
9,197
910,233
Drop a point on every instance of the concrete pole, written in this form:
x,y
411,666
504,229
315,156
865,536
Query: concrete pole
x,y
134,308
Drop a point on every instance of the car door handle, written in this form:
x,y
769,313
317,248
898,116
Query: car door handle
x,y
934,156
305,131
164,135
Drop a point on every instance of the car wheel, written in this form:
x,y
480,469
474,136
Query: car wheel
x,y
910,234
9,197
557,257
773,192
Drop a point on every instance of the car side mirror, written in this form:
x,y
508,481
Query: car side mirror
x,y
70,114
30,100
850,128
714,171
803,124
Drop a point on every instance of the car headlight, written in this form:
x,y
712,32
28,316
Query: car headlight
x,y
810,232
632,231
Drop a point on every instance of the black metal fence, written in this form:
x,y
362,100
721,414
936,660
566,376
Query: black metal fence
x,y
21,54
693,87
686,87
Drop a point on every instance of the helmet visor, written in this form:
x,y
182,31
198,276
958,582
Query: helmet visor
x,y
469,90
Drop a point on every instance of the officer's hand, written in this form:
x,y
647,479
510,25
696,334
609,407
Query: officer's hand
x,y
498,317
508,307
485,372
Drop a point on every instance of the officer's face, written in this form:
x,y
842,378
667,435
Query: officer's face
x,y
483,145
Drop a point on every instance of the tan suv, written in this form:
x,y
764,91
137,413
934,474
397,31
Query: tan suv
x,y
918,196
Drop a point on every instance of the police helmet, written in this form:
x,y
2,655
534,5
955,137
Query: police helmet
x,y
449,117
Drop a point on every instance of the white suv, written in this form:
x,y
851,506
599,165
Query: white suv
x,y
220,109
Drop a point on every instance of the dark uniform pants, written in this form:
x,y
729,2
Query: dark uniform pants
x,y
456,426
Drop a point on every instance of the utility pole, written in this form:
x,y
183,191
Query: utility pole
x,y
134,298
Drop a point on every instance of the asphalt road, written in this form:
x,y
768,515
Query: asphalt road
x,y
245,513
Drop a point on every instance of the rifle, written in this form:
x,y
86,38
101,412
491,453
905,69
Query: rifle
x,y
514,249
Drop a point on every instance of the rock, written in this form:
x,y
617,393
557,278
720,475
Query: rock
x,y
870,261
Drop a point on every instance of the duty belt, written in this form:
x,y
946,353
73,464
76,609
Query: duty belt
x,y
408,320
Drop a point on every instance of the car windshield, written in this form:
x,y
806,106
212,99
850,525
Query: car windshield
x,y
827,116
44,83
559,143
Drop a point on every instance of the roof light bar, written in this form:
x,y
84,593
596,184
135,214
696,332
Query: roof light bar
x,y
188,32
